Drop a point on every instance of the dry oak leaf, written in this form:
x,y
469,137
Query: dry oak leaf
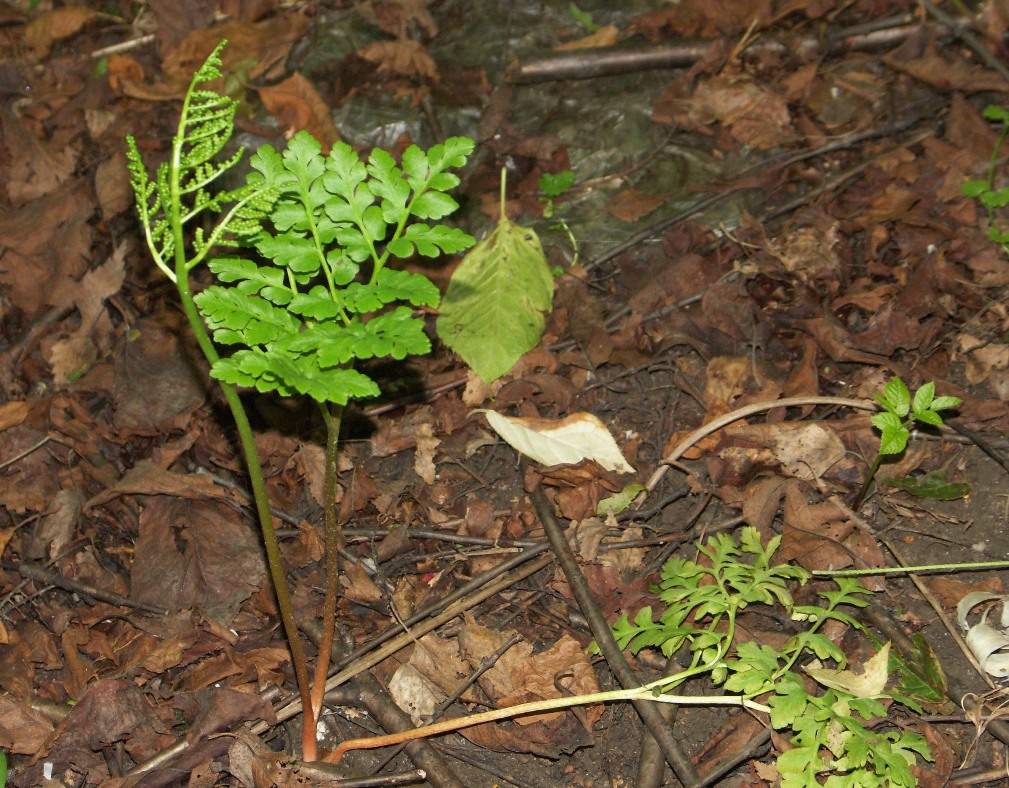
x,y
297,106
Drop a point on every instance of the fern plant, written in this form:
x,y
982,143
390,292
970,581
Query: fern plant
x,y
828,732
310,294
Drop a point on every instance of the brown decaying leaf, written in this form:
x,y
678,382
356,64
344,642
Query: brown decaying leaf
x,y
633,204
38,167
404,57
55,25
108,711
23,730
264,44
195,554
297,106
34,267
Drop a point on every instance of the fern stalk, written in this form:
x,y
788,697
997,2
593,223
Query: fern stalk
x,y
332,415
176,214
312,218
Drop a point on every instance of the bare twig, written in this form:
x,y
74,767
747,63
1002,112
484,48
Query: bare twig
x,y
606,61
650,715
45,576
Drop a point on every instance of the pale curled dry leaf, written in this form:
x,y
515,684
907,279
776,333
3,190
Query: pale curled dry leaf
x,y
867,683
990,646
580,436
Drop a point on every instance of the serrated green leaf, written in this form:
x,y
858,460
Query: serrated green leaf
x,y
430,241
433,205
493,310
393,285
279,372
896,397
355,243
234,317
555,184
974,188
998,198
252,279
317,304
303,160
946,403
291,249
923,397
929,417
396,334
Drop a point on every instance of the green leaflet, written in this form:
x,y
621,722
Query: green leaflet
x,y
828,733
493,310
321,302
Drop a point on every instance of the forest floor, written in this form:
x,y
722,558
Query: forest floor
x,y
767,203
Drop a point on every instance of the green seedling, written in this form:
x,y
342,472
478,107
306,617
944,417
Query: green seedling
x,y
553,186
830,732
983,189
899,413
305,291
583,18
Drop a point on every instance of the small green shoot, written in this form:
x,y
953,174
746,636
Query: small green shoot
x,y
983,189
899,413
830,733
584,18
553,186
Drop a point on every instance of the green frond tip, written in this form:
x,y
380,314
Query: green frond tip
x,y
211,68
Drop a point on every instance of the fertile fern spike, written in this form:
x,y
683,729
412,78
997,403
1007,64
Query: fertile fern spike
x,y
182,188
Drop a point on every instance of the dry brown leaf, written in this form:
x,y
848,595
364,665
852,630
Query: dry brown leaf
x,y
23,730
565,662
37,167
633,204
427,445
55,25
358,586
414,693
605,36
13,413
112,185
297,106
405,57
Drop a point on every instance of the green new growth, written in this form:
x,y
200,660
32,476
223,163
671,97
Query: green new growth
x,y
304,292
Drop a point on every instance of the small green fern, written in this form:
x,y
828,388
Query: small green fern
x,y
828,733
305,292
181,191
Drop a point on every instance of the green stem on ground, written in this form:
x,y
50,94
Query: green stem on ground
x,y
251,454
332,415
908,570
868,481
